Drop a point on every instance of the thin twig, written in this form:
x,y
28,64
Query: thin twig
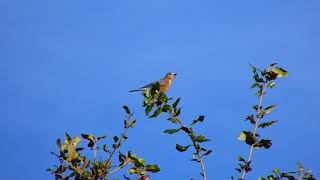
x,y
120,167
67,162
74,168
256,125
119,142
203,172
301,175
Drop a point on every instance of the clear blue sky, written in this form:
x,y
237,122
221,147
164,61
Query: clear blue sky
x,y
67,66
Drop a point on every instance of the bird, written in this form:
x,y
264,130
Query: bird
x,y
164,83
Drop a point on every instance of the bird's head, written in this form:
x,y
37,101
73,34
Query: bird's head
x,y
170,75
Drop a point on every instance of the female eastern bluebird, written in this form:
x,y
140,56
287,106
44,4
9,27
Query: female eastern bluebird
x,y
164,83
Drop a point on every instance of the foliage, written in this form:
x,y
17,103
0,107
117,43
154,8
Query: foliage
x,y
73,164
156,103
263,79
300,174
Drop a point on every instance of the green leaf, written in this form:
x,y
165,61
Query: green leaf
x,y
175,104
241,159
255,85
173,119
68,138
201,139
262,178
269,109
148,109
266,124
163,98
271,84
300,167
177,113
250,118
156,112
129,123
288,176
276,171
75,141
270,76
71,148
255,107
101,137
257,78
253,69
132,170
207,152
106,149
263,143
122,158
273,64
126,109
271,177
199,119
186,129
90,138
182,148
242,136
279,71
141,161
166,108
247,136
171,131
152,168
58,142
79,149
115,139
260,114
51,170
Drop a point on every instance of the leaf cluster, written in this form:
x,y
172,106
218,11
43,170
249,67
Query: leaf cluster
x,y
156,103
300,174
263,79
74,164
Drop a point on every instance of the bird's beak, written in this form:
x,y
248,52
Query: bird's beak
x,y
174,74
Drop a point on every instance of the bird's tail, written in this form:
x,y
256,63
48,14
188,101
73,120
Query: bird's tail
x,y
135,90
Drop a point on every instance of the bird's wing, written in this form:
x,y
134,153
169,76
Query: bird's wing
x,y
148,86
162,81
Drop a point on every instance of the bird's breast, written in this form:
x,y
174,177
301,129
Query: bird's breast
x,y
164,85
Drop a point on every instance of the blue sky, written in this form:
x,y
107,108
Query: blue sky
x,y
67,66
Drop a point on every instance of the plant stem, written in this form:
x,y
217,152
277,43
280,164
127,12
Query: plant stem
x,y
67,162
117,145
255,129
119,142
120,167
203,171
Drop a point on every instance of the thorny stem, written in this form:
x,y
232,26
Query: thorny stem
x,y
255,129
203,171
